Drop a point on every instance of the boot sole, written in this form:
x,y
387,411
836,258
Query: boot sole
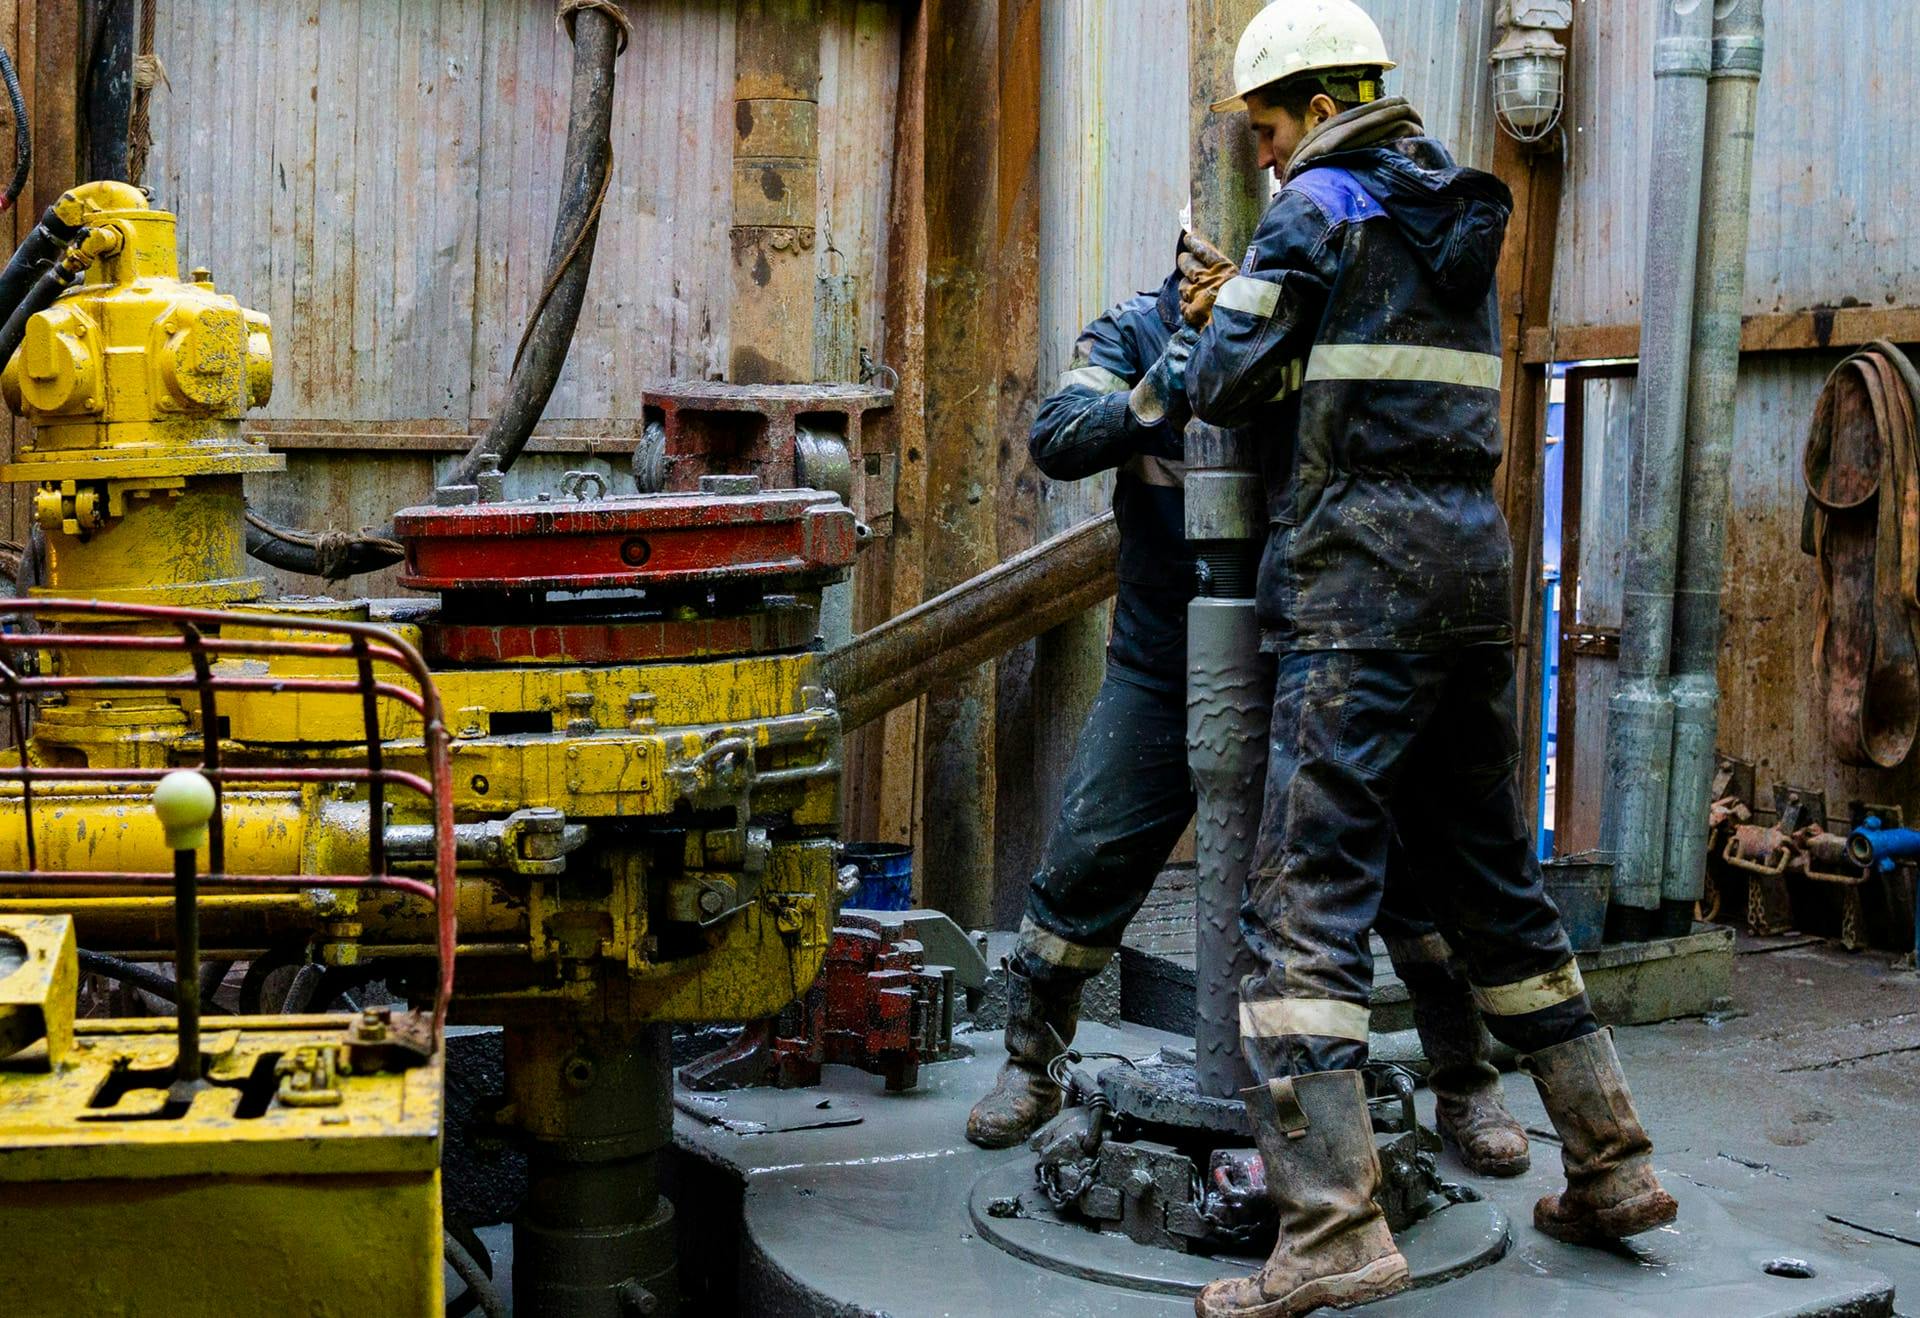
x,y
997,1140
1503,1169
1376,1281
1643,1212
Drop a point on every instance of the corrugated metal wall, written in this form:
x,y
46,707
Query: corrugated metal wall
x,y
1831,222
1834,206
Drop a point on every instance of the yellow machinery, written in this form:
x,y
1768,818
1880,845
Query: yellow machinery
x,y
643,778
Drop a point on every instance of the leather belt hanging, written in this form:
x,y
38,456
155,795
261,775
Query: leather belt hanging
x,y
1862,522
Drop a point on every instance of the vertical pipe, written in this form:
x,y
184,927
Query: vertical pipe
x,y
1733,89
1227,703
1640,714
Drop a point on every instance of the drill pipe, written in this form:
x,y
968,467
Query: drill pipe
x,y
1640,714
1733,87
1226,519
982,617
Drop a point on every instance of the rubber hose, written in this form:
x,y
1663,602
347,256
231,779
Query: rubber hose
x,y
110,89
361,556
589,157
45,291
479,1284
22,132
130,973
38,250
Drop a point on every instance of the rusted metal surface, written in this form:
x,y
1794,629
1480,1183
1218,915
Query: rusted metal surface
x,y
716,535
961,628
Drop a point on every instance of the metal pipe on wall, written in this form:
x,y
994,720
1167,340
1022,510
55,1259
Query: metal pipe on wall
x,y
1227,699
1640,714
1733,90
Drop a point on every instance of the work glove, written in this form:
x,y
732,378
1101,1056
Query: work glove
x,y
1161,394
1203,270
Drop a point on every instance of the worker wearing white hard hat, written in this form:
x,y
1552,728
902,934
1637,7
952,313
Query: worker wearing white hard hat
x,y
1360,338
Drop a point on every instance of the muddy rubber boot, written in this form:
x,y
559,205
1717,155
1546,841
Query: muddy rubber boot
x,y
1470,1112
1322,1170
1040,1024
1611,1189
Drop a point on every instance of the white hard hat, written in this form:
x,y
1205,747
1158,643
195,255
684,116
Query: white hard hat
x,y
1297,36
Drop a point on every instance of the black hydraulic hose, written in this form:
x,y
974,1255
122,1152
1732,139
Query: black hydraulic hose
x,y
110,88
597,41
22,132
36,252
45,291
599,35
130,973
334,555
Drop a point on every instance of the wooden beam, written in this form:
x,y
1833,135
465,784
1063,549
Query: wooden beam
x,y
885,771
963,448
1525,278
1816,329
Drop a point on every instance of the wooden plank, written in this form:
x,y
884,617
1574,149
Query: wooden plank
x,y
962,402
887,787
1816,329
1525,280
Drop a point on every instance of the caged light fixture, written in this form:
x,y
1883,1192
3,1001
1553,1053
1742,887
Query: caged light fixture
x,y
1529,67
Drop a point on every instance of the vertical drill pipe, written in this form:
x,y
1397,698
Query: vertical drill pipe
x,y
186,968
1226,518
1229,703
1733,89
1640,714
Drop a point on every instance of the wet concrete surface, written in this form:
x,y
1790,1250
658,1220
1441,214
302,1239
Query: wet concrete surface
x,y
1771,1121
1787,1129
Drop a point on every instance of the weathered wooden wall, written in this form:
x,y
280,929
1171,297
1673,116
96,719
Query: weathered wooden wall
x,y
1832,226
381,177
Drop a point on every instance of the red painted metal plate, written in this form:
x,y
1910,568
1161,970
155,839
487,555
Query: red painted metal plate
x,y
629,542
621,642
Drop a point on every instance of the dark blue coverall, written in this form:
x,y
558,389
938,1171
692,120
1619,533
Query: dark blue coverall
x,y
1363,328
1129,795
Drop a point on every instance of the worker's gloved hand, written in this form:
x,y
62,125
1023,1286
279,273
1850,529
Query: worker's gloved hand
x,y
1161,394
1203,270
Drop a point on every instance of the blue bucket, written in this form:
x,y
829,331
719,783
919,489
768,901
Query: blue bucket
x,y
1579,887
886,875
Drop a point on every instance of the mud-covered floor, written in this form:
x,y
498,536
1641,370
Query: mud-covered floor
x,y
1787,1127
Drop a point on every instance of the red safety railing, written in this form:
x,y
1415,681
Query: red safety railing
x,y
379,658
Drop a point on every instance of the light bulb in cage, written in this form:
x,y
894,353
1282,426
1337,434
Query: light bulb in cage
x,y
1529,68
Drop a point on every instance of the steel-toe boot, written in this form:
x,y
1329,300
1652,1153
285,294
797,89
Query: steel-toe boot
x,y
1040,1022
1322,1170
1611,1189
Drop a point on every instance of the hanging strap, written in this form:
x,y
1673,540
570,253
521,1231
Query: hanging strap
x,y
1861,469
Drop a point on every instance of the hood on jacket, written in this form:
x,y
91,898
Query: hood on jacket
x,y
1453,217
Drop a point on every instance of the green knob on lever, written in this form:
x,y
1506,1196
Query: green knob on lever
x,y
183,801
